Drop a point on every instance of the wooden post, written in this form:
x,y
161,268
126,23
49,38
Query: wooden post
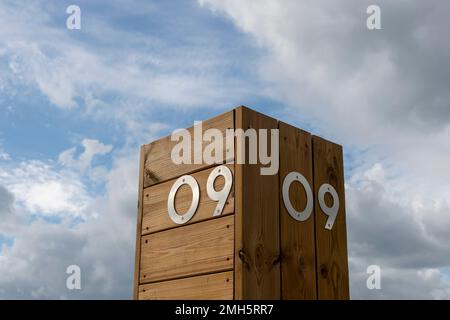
x,y
253,247
331,245
298,264
257,242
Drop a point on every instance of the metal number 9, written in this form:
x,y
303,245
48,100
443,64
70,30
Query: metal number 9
x,y
331,212
222,195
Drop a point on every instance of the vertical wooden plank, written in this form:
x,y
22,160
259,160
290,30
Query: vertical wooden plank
x,y
238,208
257,243
331,245
298,264
137,257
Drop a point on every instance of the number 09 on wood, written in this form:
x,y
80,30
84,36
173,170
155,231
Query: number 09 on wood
x,y
222,195
224,231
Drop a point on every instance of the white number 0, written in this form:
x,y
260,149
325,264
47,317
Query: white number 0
x,y
300,216
173,214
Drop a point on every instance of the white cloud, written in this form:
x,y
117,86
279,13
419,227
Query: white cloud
x,y
407,240
384,92
91,147
41,188
140,70
4,156
34,266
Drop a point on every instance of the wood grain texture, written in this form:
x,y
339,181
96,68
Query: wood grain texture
x,y
257,242
215,286
158,164
298,264
138,223
199,248
238,219
331,245
155,215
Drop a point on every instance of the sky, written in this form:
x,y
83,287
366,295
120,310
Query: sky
x,y
76,105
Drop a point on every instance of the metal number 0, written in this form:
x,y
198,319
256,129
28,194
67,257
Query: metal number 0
x,y
306,213
191,182
222,195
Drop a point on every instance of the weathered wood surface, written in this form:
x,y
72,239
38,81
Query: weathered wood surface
x,y
155,215
159,166
215,286
199,248
331,245
257,239
298,264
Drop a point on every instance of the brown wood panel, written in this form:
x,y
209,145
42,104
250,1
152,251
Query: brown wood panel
x,y
238,211
138,223
331,245
155,215
257,245
215,286
298,264
194,249
158,164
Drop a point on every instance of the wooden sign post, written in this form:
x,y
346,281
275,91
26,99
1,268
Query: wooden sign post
x,y
224,230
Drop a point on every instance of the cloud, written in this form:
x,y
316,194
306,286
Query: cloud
x,y
6,200
34,266
401,284
368,90
407,241
103,66
41,188
327,62
384,95
4,156
49,189
91,147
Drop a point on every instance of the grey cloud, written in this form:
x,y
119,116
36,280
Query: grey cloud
x,y
103,247
324,61
384,92
6,201
384,230
409,251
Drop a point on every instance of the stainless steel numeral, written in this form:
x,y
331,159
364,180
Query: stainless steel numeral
x,y
288,180
191,182
222,195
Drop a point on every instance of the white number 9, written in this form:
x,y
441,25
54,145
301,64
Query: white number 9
x,y
331,212
222,195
